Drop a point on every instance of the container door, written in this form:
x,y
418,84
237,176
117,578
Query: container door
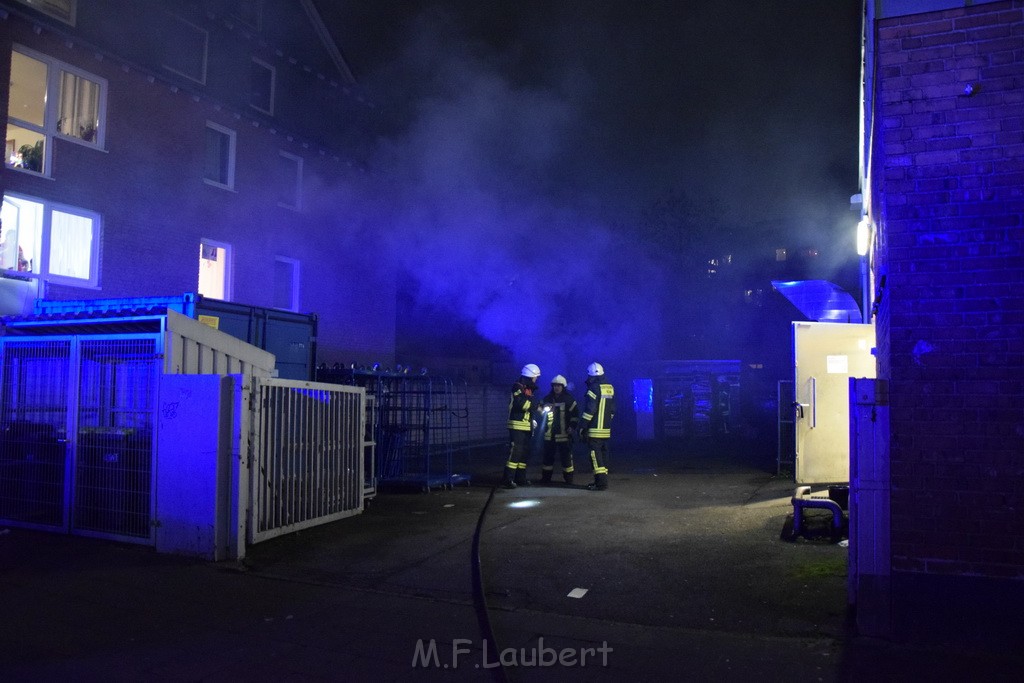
x,y
827,355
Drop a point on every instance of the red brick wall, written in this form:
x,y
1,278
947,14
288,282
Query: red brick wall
x,y
948,183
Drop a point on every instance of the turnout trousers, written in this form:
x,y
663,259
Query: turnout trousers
x,y
562,450
599,460
518,453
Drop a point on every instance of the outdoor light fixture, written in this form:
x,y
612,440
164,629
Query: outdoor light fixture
x,y
863,233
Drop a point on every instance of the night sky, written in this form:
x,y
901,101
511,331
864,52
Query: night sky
x,y
527,145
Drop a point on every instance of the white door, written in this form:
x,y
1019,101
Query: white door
x,y
826,356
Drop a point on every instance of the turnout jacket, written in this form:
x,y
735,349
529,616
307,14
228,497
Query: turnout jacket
x,y
565,413
596,420
520,406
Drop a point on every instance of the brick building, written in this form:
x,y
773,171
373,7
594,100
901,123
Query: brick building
x,y
944,192
156,148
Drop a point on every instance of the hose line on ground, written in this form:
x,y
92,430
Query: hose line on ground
x,y
490,645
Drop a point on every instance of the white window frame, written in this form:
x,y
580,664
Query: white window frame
x,y
232,149
46,7
229,269
206,49
273,88
296,269
44,246
297,206
51,113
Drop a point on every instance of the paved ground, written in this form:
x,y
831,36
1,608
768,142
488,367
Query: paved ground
x,y
684,572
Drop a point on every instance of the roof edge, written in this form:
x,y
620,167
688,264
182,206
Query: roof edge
x,y
328,41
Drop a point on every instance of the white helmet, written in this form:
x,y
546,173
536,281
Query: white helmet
x,y
595,369
558,379
530,370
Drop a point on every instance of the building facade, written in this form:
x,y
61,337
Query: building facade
x,y
944,193
156,148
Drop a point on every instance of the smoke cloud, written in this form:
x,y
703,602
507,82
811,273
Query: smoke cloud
x,y
477,211
523,143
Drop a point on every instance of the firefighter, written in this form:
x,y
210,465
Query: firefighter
x,y
521,407
562,416
596,423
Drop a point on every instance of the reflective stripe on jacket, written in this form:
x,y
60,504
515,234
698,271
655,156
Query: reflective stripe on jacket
x,y
519,409
565,413
599,411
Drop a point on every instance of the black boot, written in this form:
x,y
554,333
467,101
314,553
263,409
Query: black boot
x,y
545,477
507,479
568,478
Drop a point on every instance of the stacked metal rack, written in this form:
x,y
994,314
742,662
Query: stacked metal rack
x,y
420,422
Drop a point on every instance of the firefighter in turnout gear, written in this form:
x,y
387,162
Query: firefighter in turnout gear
x,y
596,423
521,408
562,415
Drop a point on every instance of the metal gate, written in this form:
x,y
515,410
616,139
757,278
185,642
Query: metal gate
x,y
76,425
308,447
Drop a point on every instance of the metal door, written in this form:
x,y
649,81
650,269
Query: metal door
x,y
826,356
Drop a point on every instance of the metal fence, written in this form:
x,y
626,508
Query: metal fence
x,y
34,415
424,423
309,450
76,425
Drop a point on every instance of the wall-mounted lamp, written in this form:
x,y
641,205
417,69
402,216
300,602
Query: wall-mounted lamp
x,y
863,235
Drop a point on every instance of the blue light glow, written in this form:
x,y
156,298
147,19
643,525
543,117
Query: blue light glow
x,y
643,395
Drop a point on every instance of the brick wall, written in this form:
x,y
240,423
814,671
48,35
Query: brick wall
x,y
948,185
147,186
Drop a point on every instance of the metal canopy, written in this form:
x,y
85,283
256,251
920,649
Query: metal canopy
x,y
820,300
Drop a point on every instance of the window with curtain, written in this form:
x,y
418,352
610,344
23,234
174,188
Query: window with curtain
x,y
52,242
36,81
79,107
215,270
70,245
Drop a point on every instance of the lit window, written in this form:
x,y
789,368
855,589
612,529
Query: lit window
x,y
49,241
289,181
261,95
32,123
250,12
184,48
215,270
286,283
58,9
219,159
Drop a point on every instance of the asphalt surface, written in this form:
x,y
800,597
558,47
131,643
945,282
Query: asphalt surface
x,y
678,572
